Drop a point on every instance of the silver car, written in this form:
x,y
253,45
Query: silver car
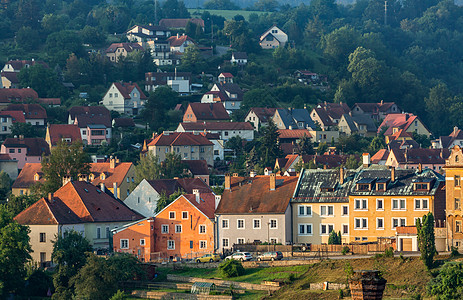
x,y
240,256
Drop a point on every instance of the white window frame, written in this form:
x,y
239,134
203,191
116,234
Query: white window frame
x,y
228,243
238,224
270,223
178,226
254,224
200,227
421,200
327,210
362,208
306,225
165,226
348,229
342,210
228,223
238,241
377,227
201,244
142,242
172,212
168,245
398,222
183,213
305,214
327,229
122,241
361,227
399,208
377,201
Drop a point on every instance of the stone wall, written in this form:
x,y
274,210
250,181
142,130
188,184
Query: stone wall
x,y
328,286
185,296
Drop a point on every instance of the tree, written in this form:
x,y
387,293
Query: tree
x,y
305,146
17,204
251,161
377,143
172,166
266,5
69,253
165,200
192,59
220,4
43,80
352,162
27,38
157,105
426,240
269,148
174,9
147,168
448,284
335,238
65,160
14,253
231,268
422,139
24,129
5,185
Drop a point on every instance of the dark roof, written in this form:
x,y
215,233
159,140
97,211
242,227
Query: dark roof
x,y
312,182
334,110
129,47
123,122
291,117
84,121
197,167
331,161
263,113
127,87
160,78
357,120
7,95
88,110
421,155
240,55
19,64
11,76
374,108
201,126
31,111
170,186
60,131
209,111
324,117
35,146
179,139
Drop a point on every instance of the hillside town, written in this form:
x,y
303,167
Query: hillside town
x,y
193,138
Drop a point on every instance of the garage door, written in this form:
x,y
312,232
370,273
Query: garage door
x,y
406,244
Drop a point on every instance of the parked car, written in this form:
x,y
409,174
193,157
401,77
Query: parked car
x,y
208,258
275,255
240,256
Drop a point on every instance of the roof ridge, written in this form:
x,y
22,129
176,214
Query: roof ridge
x,y
83,202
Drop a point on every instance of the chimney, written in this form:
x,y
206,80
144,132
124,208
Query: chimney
x,y
227,181
178,35
235,174
66,179
50,196
21,137
272,182
455,129
341,175
217,200
420,168
366,160
115,190
382,101
102,187
392,174
112,162
252,174
197,196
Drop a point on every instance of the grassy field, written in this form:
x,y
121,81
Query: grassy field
x,y
227,14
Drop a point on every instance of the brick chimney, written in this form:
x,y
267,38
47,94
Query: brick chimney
x,y
227,182
112,162
272,182
366,160
420,168
66,179
197,196
341,175
50,196
115,190
102,187
392,174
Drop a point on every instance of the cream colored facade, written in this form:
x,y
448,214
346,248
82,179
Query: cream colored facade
x,y
191,152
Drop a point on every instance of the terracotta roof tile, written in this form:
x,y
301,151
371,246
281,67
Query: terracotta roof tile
x,y
125,88
206,203
170,186
382,154
18,116
213,126
293,133
45,212
35,146
64,131
31,111
49,101
26,176
116,175
226,75
209,111
178,41
8,95
180,139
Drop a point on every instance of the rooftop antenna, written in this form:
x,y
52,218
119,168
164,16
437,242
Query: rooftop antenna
x,y
385,12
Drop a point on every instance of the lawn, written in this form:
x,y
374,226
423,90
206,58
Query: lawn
x,y
252,275
227,14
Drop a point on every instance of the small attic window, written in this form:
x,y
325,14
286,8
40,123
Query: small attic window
x,y
102,176
86,190
36,177
98,191
91,176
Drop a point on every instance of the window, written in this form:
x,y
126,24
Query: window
x,y
379,204
225,224
421,186
327,210
457,226
457,204
361,223
361,204
273,224
170,245
4,128
240,240
398,204
11,150
326,229
202,229
398,222
345,210
202,244
225,243
98,232
172,215
273,240
379,223
240,224
178,228
142,242
363,187
421,204
124,244
164,228
305,229
43,237
305,211
345,229
457,179
256,223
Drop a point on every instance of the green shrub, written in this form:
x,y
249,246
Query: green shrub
x,y
231,268
345,250
119,295
389,252
454,252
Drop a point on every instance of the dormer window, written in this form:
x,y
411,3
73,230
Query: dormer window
x,y
365,184
91,176
102,176
423,184
380,186
363,187
36,177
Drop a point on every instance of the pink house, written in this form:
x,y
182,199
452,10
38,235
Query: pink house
x,y
25,150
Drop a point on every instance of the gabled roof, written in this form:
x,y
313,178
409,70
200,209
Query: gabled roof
x,y
180,23
374,108
324,117
88,203
290,159
334,110
240,55
88,110
35,146
447,141
45,212
123,122
31,111
253,195
8,95
209,111
293,133
206,203
381,155
19,64
125,88
263,113
150,27
116,175
180,139
86,120
11,76
402,121
291,117
226,75
17,116
129,47
356,120
421,155
213,126
180,40
63,131
197,167
170,186
26,176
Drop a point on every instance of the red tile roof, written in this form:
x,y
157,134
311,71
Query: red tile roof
x,y
290,160
116,175
253,195
382,154
45,212
208,126
5,157
180,23
17,116
31,111
123,122
293,133
180,139
35,146
88,110
226,75
197,167
64,131
49,101
178,41
402,121
170,186
206,203
8,95
26,176
11,76
125,88
19,64
209,111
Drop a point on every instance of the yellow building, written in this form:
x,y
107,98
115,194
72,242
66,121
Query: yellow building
x,y
383,199
453,174
320,205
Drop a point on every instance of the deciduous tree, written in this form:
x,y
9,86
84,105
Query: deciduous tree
x,y
426,240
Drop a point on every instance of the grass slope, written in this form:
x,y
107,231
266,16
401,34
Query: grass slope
x,y
227,14
405,278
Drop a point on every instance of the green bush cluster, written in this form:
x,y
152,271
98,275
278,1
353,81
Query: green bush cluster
x,y
231,268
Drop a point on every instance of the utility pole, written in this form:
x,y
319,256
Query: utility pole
x,y
385,12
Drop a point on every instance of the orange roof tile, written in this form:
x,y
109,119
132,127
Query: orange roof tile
x,y
26,176
180,139
293,133
63,131
116,175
